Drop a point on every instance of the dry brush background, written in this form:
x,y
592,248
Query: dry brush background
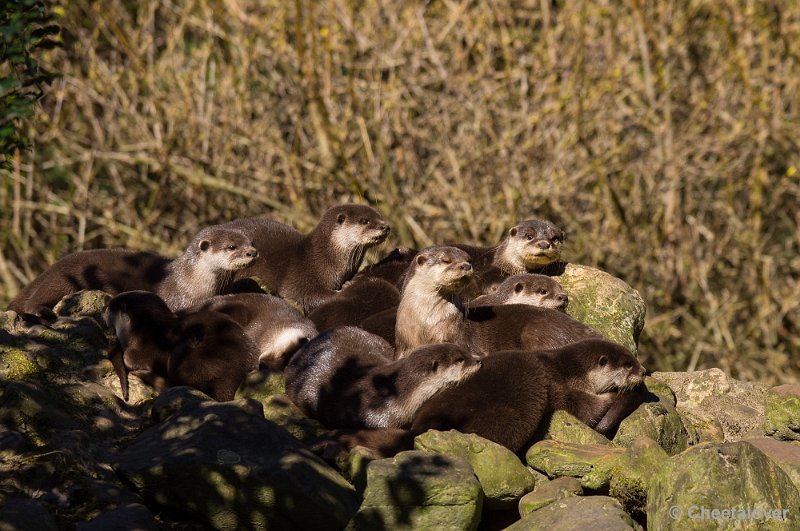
x,y
663,136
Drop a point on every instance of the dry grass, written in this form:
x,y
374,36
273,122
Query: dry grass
x,y
662,135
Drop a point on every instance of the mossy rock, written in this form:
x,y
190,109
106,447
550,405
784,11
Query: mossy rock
x,y
280,410
261,384
783,453
566,428
731,478
661,390
419,490
18,364
85,302
634,472
605,303
659,421
548,492
503,478
592,464
782,416
578,512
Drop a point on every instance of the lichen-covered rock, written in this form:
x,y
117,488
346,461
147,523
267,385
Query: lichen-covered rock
x,y
418,490
659,421
634,472
85,302
280,410
503,478
138,391
227,466
548,492
736,479
710,398
593,464
175,399
784,454
605,303
659,389
599,513
34,411
18,363
262,384
566,428
782,416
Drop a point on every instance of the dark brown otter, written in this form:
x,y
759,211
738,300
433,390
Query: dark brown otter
x,y
361,298
391,268
206,350
345,378
526,288
310,268
203,270
431,311
529,247
274,325
514,391
513,394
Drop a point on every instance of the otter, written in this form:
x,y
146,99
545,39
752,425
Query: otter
x,y
391,268
431,311
507,400
204,349
310,268
510,398
346,378
358,300
529,247
203,270
274,325
526,288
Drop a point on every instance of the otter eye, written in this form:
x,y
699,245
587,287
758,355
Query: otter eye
x,y
529,237
628,365
517,289
602,361
364,221
446,260
340,218
543,291
232,247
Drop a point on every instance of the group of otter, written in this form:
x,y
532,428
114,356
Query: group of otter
x,y
450,337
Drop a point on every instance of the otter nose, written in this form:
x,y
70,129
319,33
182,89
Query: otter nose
x,y
252,252
543,244
385,228
466,266
564,298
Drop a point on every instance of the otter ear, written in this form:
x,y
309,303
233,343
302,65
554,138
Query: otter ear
x,y
340,218
602,361
513,231
204,245
421,259
519,287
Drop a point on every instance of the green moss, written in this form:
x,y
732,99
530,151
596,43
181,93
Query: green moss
x,y
782,417
19,364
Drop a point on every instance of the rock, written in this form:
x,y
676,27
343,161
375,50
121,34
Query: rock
x,y
11,441
25,514
787,389
566,428
593,464
660,390
174,399
605,303
85,302
418,490
659,421
598,513
784,454
138,391
730,478
549,492
132,516
503,478
34,411
227,466
710,398
262,384
634,472
280,410
782,416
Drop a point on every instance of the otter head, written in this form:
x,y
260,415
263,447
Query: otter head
x,y
222,249
353,227
614,368
446,270
532,244
135,305
533,290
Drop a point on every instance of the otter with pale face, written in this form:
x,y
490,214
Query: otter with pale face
x,y
203,270
526,288
310,268
345,378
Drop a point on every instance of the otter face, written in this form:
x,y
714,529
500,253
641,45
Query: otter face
x,y
447,269
356,226
534,243
533,290
615,370
224,249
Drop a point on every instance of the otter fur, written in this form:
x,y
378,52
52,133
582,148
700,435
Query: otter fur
x,y
526,288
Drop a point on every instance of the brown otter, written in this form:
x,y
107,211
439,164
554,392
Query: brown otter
x,y
431,311
310,268
345,378
203,270
276,327
392,267
361,298
526,288
206,350
508,398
